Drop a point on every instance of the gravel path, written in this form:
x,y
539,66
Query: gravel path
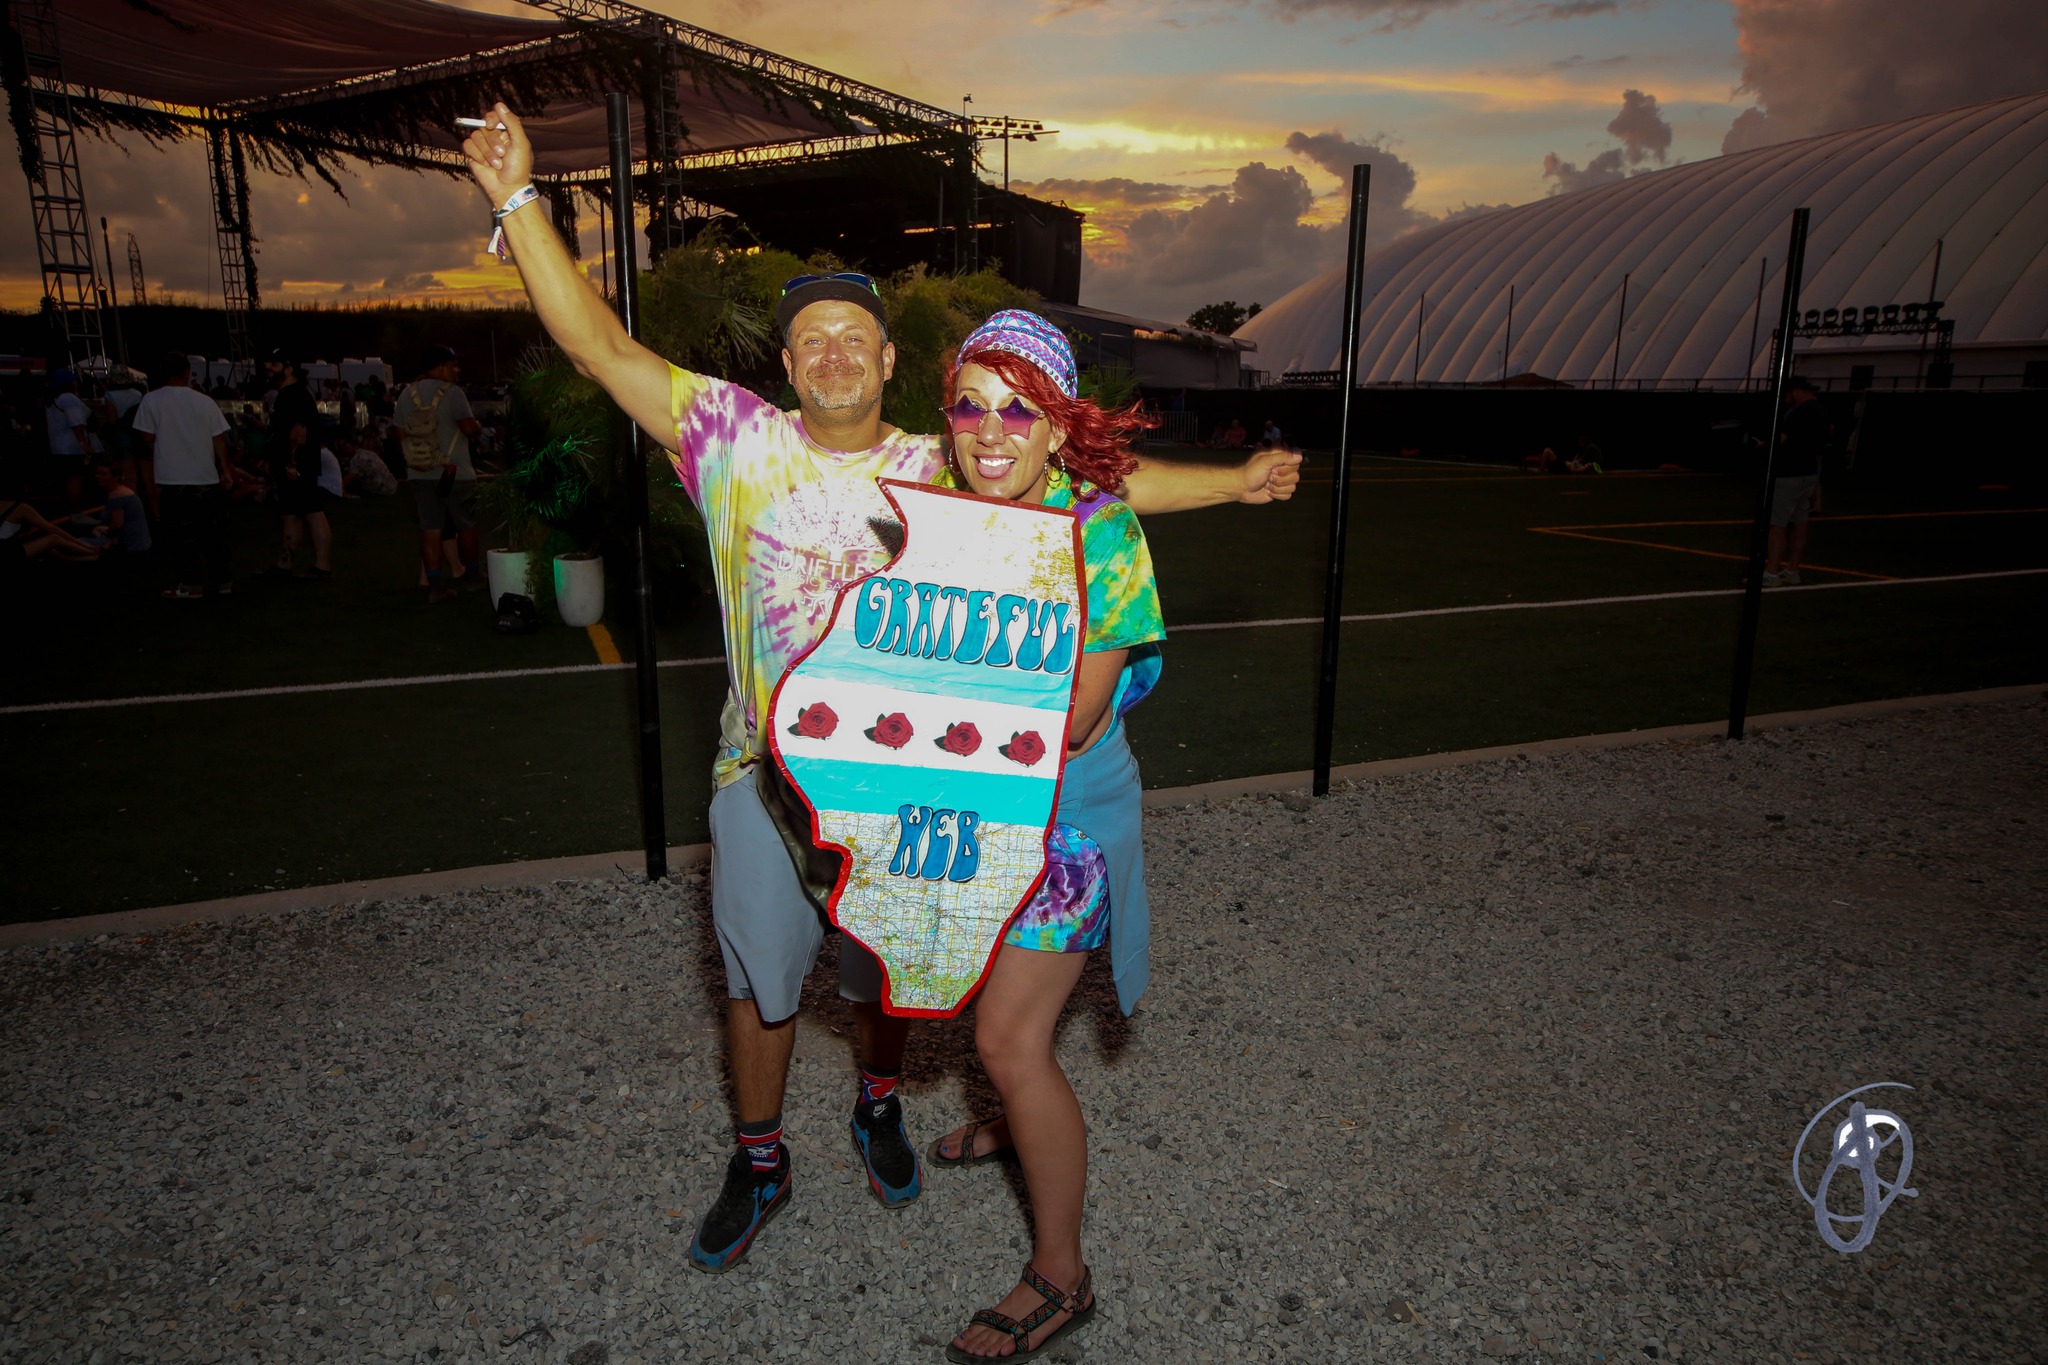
x,y
1500,1061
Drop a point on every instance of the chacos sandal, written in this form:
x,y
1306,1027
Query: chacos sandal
x,y
966,1156
1057,1301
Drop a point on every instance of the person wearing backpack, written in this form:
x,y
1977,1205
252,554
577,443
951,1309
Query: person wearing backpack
x,y
434,424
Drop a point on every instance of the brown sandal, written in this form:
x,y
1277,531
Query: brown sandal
x,y
936,1157
1057,1301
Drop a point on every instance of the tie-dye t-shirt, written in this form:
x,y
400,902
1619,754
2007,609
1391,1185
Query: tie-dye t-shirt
x,y
790,524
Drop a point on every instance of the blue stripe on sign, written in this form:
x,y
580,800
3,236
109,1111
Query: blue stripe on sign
x,y
840,658
873,789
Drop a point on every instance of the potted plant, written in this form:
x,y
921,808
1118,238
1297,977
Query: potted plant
x,y
506,514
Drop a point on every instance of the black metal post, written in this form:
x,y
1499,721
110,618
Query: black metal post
x,y
113,300
653,818
1760,530
1506,337
1421,311
1340,500
1620,316
1763,270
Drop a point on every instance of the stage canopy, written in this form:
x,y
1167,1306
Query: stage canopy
x,y
383,80
719,128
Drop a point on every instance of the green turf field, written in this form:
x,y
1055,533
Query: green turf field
x,y
142,804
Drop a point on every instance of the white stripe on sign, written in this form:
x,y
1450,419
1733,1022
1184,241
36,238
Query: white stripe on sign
x,y
427,679
1598,601
360,685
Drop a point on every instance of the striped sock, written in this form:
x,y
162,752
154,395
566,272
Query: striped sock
x,y
763,1142
877,1086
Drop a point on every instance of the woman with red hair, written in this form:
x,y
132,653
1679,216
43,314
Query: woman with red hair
x,y
1020,430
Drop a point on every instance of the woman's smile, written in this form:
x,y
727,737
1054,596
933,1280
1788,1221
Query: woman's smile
x,y
1000,444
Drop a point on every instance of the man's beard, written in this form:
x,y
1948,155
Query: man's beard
x,y
838,391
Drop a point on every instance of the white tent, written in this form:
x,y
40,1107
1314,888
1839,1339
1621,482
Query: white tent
x,y
1693,242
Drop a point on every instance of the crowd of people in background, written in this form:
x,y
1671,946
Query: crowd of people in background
x,y
128,482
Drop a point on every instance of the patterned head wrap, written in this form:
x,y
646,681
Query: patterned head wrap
x,y
1029,337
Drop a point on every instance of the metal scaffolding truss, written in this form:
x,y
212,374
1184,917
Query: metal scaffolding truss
x,y
138,290
666,207
229,171
64,243
751,58
771,154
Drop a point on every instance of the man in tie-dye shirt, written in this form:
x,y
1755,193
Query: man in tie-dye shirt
x,y
793,513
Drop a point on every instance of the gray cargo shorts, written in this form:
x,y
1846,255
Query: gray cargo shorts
x,y
1792,499
769,929
452,514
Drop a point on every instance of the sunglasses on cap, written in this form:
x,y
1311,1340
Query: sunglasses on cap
x,y
853,277
966,416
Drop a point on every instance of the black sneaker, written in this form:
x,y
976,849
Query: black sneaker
x,y
886,1152
750,1198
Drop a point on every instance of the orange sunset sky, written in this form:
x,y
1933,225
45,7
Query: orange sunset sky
x,y
1207,140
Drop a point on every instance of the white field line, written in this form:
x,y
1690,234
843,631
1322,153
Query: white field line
x,y
427,679
1602,601
360,685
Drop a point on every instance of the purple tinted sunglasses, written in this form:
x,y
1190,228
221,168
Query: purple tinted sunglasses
x,y
965,416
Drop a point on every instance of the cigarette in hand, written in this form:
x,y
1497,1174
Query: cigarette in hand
x,y
476,123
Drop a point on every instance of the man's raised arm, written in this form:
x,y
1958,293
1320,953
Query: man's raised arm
x,y
1155,486
575,315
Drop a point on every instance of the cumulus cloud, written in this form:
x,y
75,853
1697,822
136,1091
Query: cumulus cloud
x,y
1644,135
1574,9
1388,16
1393,179
1603,169
1114,189
1818,66
1244,242
418,283
1641,128
1248,240
1464,211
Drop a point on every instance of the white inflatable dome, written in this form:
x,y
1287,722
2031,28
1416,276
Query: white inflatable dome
x,y
1690,239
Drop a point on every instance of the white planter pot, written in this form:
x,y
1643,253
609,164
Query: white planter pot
x,y
579,589
505,571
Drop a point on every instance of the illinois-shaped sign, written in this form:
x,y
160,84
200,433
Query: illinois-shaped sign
x,y
926,730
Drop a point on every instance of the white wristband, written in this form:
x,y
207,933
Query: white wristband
x,y
521,197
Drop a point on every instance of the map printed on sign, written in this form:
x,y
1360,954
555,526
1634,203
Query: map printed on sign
x,y
926,731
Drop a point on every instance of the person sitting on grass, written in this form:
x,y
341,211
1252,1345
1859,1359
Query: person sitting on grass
x,y
26,534
124,529
1021,431
363,471
1585,459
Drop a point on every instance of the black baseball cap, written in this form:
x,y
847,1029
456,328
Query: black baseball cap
x,y
280,356
434,357
848,286
1799,381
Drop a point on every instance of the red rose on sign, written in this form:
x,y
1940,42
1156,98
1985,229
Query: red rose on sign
x,y
816,721
1026,748
962,739
893,730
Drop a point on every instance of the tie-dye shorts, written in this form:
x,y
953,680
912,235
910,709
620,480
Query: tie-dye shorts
x,y
1070,913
